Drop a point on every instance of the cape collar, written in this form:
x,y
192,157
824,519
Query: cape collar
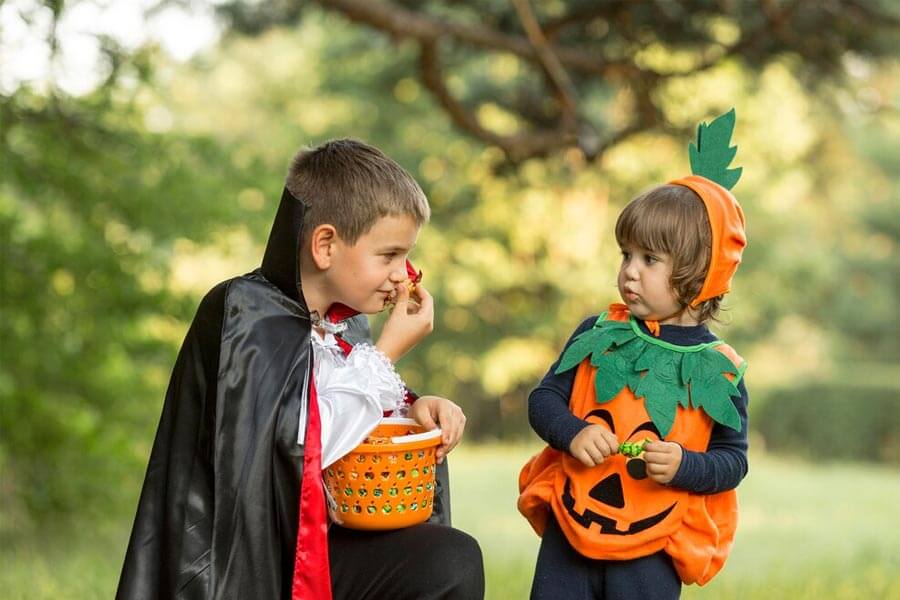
x,y
281,264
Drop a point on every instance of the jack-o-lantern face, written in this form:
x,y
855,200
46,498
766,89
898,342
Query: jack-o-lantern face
x,y
627,478
615,499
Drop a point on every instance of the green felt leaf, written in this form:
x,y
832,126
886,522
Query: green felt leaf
x,y
713,361
608,382
658,401
688,364
610,337
713,152
665,376
594,341
583,345
713,394
651,356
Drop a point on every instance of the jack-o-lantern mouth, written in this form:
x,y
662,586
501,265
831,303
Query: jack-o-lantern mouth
x,y
607,524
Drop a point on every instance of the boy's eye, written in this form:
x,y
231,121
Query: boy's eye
x,y
650,259
626,255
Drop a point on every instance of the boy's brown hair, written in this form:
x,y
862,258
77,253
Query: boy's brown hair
x,y
350,184
672,219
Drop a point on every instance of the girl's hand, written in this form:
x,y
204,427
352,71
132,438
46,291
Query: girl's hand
x,y
593,444
433,411
410,322
663,460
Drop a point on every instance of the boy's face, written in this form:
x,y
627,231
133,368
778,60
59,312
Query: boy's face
x,y
364,275
645,284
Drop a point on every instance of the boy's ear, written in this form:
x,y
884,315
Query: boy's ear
x,y
322,243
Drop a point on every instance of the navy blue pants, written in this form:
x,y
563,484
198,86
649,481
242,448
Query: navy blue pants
x,y
564,574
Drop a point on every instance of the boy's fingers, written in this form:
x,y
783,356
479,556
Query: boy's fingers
x,y
427,421
426,302
422,294
402,298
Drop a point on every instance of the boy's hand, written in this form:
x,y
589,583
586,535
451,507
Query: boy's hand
x,y
433,411
663,460
409,322
593,444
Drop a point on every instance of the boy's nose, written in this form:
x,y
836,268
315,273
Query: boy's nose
x,y
398,275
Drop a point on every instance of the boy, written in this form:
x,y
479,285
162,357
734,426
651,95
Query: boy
x,y
268,386
645,412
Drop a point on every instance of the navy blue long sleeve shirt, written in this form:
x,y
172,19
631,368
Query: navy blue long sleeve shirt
x,y
720,468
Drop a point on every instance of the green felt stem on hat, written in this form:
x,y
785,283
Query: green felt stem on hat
x,y
713,153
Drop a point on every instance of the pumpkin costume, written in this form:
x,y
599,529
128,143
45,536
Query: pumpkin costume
x,y
646,381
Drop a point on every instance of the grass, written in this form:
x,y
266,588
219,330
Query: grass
x,y
807,531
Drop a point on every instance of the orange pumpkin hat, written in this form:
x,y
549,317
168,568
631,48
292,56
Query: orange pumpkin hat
x,y
711,180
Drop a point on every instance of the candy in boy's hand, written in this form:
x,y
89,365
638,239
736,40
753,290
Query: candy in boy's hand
x,y
414,277
411,282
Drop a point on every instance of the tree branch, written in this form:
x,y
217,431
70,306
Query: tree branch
x,y
556,74
403,23
518,147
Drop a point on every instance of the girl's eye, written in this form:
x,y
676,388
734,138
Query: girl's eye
x,y
626,255
651,259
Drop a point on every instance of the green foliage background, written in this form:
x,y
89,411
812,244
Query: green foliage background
x,y
120,208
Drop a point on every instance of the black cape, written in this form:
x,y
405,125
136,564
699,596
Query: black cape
x,y
218,512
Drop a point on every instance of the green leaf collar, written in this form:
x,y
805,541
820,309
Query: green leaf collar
x,y
663,374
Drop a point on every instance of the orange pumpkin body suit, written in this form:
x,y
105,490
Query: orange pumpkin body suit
x,y
642,517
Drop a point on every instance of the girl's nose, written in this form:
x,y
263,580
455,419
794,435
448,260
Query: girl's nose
x,y
631,271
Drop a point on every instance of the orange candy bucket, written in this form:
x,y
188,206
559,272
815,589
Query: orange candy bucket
x,y
387,482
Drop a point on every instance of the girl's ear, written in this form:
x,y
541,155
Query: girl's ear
x,y
322,244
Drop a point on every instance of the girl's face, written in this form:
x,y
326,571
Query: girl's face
x,y
645,287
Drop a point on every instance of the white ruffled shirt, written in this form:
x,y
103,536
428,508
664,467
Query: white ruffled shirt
x,y
353,391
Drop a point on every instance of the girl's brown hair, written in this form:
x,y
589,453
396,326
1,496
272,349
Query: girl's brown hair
x,y
672,219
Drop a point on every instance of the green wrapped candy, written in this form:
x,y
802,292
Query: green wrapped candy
x,y
633,449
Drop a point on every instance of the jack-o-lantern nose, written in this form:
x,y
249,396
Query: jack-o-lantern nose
x,y
609,491
637,468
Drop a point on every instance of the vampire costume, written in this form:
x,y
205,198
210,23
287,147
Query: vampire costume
x,y
219,510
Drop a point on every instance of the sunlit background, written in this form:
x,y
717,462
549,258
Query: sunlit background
x,y
144,146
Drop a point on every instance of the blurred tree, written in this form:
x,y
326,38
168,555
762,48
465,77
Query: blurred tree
x,y
91,205
516,257
120,208
573,60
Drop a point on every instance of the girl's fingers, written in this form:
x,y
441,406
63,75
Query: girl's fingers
x,y
658,457
595,454
603,446
585,458
612,440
